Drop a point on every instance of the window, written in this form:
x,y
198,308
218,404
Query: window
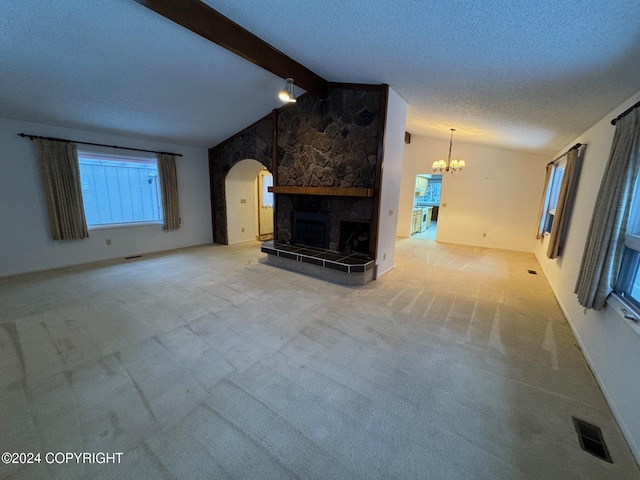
x,y
428,188
267,196
119,189
432,193
628,283
551,199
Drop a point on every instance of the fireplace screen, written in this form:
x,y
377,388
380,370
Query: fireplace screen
x,y
312,229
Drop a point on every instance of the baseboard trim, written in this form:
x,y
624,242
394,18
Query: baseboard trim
x,y
626,433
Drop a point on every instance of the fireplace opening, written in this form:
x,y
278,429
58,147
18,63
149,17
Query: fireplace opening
x,y
311,229
355,237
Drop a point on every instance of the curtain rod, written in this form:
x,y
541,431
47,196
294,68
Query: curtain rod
x,y
32,137
625,113
575,147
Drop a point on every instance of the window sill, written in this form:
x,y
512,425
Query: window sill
x,y
122,225
624,310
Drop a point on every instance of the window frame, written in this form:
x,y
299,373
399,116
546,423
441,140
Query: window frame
x,y
551,197
107,154
621,298
626,310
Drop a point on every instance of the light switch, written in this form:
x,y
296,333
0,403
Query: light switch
x,y
243,200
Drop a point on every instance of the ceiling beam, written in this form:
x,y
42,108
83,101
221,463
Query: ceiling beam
x,y
200,18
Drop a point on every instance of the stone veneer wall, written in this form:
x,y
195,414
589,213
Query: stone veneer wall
x,y
330,142
256,143
338,208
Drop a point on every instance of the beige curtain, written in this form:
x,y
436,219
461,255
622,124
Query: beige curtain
x,y
542,210
565,201
604,247
60,173
169,187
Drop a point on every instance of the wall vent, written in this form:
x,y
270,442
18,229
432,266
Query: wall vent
x,y
133,256
591,440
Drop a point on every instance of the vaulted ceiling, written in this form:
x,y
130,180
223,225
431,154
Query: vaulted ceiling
x,y
521,75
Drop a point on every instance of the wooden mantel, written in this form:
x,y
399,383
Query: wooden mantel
x,y
333,191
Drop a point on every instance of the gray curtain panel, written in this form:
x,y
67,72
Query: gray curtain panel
x,y
565,200
169,187
542,211
60,173
604,246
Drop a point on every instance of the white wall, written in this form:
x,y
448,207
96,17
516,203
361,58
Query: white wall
x,y
391,178
498,193
242,201
25,242
610,344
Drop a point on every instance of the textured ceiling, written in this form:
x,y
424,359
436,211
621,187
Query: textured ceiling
x,y
522,75
117,67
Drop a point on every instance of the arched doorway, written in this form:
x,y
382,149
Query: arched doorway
x,y
248,209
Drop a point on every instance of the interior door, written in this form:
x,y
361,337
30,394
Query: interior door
x,y
265,203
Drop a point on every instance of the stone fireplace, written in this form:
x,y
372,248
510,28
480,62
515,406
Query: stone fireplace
x,y
327,163
333,209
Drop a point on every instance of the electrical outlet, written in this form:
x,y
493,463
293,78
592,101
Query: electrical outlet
x,y
390,212
384,256
243,230
444,205
108,241
484,234
243,200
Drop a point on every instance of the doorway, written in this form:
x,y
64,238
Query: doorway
x,y
249,203
265,206
426,205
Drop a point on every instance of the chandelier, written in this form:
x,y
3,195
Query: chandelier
x,y
451,166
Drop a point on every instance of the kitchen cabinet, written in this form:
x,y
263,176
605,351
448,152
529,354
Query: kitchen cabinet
x,y
416,221
420,219
421,186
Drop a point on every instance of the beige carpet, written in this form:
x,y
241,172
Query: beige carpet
x,y
207,363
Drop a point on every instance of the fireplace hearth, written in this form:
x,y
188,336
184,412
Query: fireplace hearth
x,y
343,268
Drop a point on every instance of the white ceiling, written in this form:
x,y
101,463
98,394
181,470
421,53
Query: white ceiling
x,y
517,74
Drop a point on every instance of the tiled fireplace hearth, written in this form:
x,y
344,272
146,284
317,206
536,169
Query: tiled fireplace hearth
x,y
345,268
323,245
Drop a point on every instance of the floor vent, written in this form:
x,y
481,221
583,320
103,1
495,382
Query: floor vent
x,y
532,272
133,256
591,440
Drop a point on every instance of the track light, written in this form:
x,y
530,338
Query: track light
x,y
288,94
